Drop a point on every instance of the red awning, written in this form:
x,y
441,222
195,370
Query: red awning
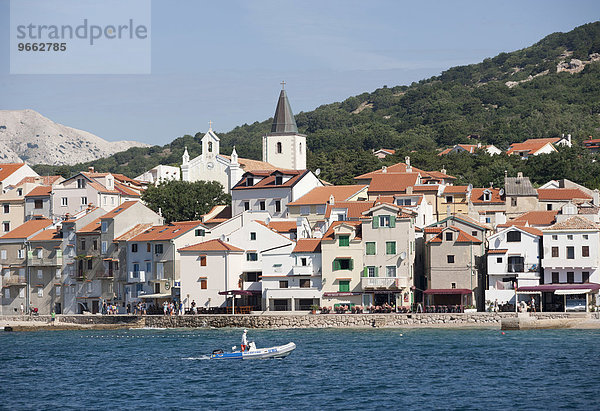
x,y
240,292
434,291
555,287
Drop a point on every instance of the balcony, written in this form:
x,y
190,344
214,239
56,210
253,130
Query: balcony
x,y
136,277
383,282
252,286
522,268
302,270
106,275
49,261
15,281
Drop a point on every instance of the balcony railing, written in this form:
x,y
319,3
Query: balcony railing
x,y
136,277
522,268
52,260
15,280
384,282
252,285
302,270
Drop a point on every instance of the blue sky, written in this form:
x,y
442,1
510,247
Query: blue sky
x,y
223,61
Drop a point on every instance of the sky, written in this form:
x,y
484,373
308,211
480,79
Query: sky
x,y
224,61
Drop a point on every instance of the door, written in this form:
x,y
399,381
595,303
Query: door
x,y
95,306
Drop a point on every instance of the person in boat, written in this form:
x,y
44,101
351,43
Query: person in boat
x,y
244,340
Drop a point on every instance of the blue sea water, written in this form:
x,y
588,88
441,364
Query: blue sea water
x,y
330,369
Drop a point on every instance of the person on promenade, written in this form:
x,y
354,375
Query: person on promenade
x,y
165,308
53,317
22,309
244,340
193,307
533,304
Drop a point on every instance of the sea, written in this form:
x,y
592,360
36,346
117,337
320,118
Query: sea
x,y
330,369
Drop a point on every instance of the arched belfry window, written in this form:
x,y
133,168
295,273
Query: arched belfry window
x,y
279,150
210,146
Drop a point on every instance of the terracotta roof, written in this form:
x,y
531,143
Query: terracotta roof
x,y
251,165
167,231
436,175
211,245
433,230
119,209
40,191
137,229
43,180
282,226
549,194
91,227
354,209
401,168
536,218
470,148
308,245
329,235
477,196
7,169
574,223
498,251
392,182
456,189
532,145
466,219
268,179
385,150
425,187
320,195
48,235
27,229
124,179
462,236
123,189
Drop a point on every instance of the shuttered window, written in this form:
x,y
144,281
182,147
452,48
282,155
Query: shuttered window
x,y
371,250
344,241
344,285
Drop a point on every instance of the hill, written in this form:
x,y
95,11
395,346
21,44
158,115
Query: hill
x,y
28,136
544,90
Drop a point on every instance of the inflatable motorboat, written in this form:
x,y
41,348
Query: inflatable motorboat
x,y
254,353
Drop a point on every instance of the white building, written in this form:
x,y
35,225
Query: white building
x,y
513,259
160,174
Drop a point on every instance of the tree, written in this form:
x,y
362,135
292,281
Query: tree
x,y
185,201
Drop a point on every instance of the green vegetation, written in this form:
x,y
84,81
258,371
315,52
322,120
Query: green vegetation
x,y
184,201
471,100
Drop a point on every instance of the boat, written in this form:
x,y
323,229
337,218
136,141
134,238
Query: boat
x,y
254,353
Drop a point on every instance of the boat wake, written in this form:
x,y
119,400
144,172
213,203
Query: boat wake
x,y
202,357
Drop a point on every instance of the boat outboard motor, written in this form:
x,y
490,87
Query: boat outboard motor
x,y
217,352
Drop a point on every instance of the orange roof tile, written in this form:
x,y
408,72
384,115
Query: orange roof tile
x,y
48,235
574,223
456,189
392,182
425,187
167,231
401,168
123,189
251,165
211,245
498,251
536,218
137,229
549,194
7,169
119,209
27,229
462,236
320,195
308,245
532,145
477,196
268,179
354,209
91,227
43,180
356,224
282,226
40,191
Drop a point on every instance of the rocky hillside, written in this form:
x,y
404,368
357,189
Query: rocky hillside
x,y
35,139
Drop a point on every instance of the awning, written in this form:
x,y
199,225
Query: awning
x,y
382,292
240,292
155,296
553,288
568,292
454,291
340,294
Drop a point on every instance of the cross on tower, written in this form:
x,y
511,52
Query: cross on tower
x,y
282,85
210,125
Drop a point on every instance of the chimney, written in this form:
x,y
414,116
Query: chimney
x,y
384,169
91,169
491,184
331,199
443,170
569,140
520,175
408,166
409,190
505,173
317,233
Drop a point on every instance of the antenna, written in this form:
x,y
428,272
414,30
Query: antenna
x,y
317,172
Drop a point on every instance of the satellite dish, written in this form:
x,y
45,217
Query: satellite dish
x,y
501,192
317,171
403,255
222,237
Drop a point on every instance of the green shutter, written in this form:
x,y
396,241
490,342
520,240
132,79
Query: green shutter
x,y
344,285
344,241
336,265
370,248
29,254
375,222
366,272
393,221
376,271
351,264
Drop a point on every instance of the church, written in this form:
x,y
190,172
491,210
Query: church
x,y
282,148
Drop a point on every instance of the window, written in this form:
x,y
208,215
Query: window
x,y
200,232
148,247
585,277
305,283
40,274
136,269
3,254
252,236
40,253
513,201
321,209
210,148
83,200
279,148
64,201
554,237
83,244
304,210
278,180
371,271
499,260
203,284
19,192
262,205
474,233
516,264
6,226
203,261
569,236
6,208
341,217
303,261
371,248
278,206
89,264
554,251
384,221
246,205
585,237
249,181
487,196
134,248
252,277
95,244
390,247
283,284
40,292
448,236
513,236
38,204
570,253
344,241
158,248
549,207
343,264
80,183
344,286
21,253
585,251
390,270
57,274
104,226
449,199
148,267
453,285
57,288
488,220
554,278
104,246
570,277
450,259
251,257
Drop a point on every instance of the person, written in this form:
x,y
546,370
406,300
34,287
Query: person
x,y
496,305
193,306
165,307
180,307
128,308
533,304
53,317
22,309
244,340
